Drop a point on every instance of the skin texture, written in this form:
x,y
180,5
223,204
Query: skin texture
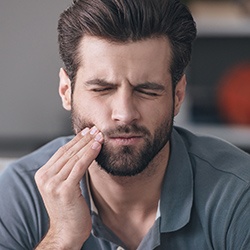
x,y
125,91
58,182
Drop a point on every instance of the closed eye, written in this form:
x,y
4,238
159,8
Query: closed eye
x,y
100,86
149,93
102,89
150,89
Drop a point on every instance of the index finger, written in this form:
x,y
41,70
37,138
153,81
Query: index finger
x,y
67,151
83,160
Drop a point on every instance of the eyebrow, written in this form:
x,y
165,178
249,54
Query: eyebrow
x,y
150,86
146,85
98,82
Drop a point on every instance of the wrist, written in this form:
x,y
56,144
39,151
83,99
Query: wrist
x,y
53,241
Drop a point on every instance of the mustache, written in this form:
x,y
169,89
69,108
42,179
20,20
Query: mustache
x,y
126,129
112,132
78,125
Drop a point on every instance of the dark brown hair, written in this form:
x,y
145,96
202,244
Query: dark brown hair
x,y
124,21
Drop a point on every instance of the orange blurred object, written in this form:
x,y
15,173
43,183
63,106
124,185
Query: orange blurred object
x,y
234,95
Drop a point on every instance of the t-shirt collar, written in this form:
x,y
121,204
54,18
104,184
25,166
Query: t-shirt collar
x,y
176,201
177,191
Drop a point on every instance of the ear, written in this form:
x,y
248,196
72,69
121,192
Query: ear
x,y
180,91
65,89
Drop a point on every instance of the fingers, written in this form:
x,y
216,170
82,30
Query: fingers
x,y
72,160
62,155
58,183
77,165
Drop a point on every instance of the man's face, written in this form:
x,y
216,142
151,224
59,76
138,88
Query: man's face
x,y
125,90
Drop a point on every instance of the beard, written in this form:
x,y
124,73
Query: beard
x,y
127,161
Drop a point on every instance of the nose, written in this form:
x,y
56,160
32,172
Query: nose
x,y
125,110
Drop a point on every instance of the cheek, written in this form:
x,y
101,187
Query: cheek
x,y
160,116
85,103
91,110
159,110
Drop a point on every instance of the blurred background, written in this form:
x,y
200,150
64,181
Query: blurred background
x,y
218,98
30,107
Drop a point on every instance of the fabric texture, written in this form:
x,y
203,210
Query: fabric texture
x,y
205,200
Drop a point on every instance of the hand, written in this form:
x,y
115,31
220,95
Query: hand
x,y
59,184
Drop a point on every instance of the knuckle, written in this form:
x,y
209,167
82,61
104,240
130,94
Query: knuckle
x,y
79,161
73,160
52,188
40,177
78,167
64,149
64,193
76,158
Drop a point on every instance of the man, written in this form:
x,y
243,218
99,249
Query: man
x,y
128,179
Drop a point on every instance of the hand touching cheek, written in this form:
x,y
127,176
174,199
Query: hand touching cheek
x,y
59,184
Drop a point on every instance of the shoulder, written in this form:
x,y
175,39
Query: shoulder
x,y
221,188
20,173
36,159
18,178
22,214
211,152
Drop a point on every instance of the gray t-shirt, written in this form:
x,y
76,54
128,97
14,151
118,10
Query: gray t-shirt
x,y
205,200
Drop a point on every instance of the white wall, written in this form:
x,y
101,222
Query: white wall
x,y
29,63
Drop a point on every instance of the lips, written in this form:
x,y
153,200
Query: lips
x,y
125,139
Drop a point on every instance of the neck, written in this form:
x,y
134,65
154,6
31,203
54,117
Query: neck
x,y
117,194
128,205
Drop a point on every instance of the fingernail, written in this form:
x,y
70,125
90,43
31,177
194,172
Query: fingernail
x,y
85,131
96,145
93,130
99,137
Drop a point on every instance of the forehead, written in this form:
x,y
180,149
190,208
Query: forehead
x,y
141,59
